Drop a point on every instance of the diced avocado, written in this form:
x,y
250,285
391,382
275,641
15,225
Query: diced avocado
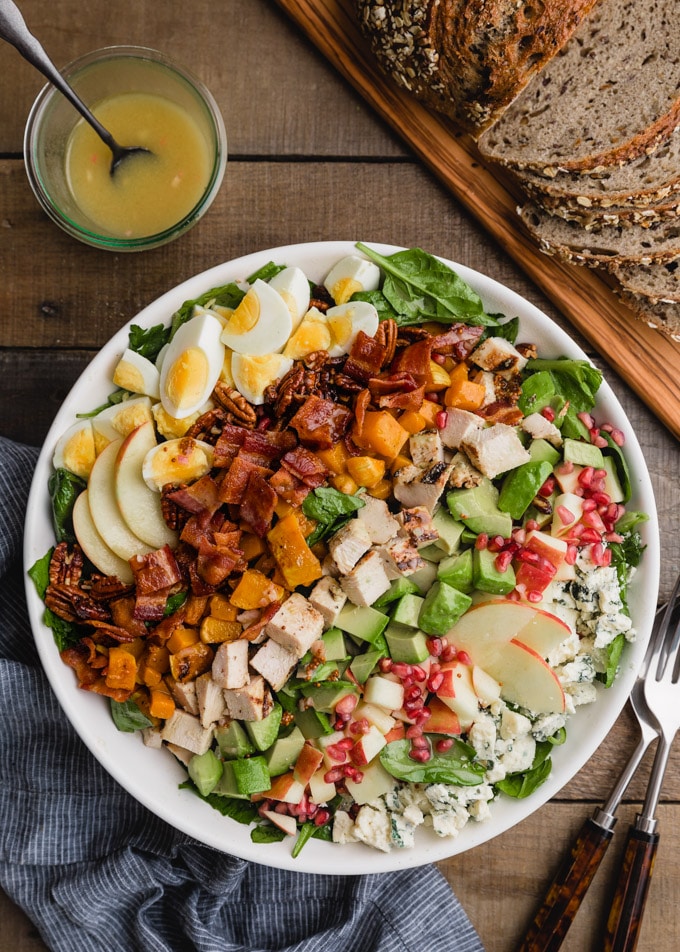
x,y
284,752
432,552
233,741
424,577
466,503
493,524
325,696
251,775
407,610
400,586
263,733
542,450
585,454
406,644
205,770
612,483
443,606
226,786
456,570
449,531
486,576
364,623
363,665
312,723
537,392
521,485
334,644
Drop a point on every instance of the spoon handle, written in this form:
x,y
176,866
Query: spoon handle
x,y
13,29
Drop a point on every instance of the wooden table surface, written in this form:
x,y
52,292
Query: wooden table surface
x,y
308,161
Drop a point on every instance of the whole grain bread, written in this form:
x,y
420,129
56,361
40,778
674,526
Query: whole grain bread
x,y
656,283
593,218
611,94
663,317
610,246
467,58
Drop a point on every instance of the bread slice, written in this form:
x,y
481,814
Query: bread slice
x,y
663,317
657,283
595,217
467,58
610,246
611,95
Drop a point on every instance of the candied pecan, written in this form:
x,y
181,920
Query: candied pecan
x,y
387,335
346,384
530,351
283,394
235,404
105,588
175,517
208,426
72,604
321,298
66,565
409,335
316,360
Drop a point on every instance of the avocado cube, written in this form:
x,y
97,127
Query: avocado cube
x,y
443,606
612,483
456,570
542,450
312,723
406,644
263,733
432,552
486,576
284,752
466,503
363,665
584,454
205,770
233,741
251,775
325,695
521,485
449,531
364,622
226,786
407,610
334,645
400,586
492,523
574,428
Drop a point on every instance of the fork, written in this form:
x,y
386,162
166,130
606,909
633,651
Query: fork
x,y
662,697
564,897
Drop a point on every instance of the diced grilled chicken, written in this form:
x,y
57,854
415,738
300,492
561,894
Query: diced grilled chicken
x,y
416,524
230,665
421,487
400,557
495,450
463,474
185,730
274,663
296,625
184,694
498,356
211,703
250,703
367,581
458,424
328,598
539,428
378,520
426,448
349,544
152,737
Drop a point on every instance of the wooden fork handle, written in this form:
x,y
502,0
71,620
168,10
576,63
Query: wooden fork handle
x,y
625,915
570,885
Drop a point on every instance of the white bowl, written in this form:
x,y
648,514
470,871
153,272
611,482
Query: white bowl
x,y
153,776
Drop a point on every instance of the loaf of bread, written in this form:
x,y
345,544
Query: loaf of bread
x,y
652,283
467,58
611,95
663,317
594,217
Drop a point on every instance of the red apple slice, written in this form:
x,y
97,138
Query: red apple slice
x,y
139,505
284,821
375,782
544,633
486,625
526,679
92,544
367,747
458,694
308,762
442,719
104,508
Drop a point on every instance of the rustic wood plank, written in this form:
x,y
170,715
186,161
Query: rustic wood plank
x,y
646,360
276,93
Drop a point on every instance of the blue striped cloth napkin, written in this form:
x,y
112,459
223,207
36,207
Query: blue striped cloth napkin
x,y
96,872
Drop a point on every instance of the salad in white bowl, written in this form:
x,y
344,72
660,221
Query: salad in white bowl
x,y
351,547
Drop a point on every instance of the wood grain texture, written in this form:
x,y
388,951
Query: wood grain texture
x,y
647,361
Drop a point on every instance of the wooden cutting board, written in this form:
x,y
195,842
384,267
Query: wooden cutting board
x,y
649,362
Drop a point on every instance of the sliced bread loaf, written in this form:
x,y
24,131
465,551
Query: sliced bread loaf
x,y
593,218
663,317
657,283
610,246
467,58
612,94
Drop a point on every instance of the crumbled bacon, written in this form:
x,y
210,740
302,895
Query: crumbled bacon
x,y
291,489
201,496
365,358
414,360
155,571
321,422
259,502
458,341
306,466
233,486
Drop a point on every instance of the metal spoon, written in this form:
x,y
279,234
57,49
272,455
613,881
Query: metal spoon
x,y
14,30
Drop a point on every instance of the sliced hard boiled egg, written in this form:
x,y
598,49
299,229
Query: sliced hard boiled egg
x,y
170,427
226,375
192,365
312,334
75,449
119,420
176,461
137,374
349,275
293,286
253,373
261,324
346,320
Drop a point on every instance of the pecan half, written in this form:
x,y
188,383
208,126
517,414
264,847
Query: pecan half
x,y
387,335
208,426
236,405
66,565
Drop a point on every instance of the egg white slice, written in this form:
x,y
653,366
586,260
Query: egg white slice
x,y
176,461
95,548
261,324
75,449
349,275
293,286
312,334
346,320
191,366
119,420
254,373
137,374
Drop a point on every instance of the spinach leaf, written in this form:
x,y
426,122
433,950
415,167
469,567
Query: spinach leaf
x,y
229,295
558,738
575,380
39,573
308,831
118,396
148,343
456,766
614,651
127,716
266,833
508,330
64,488
174,602
629,520
331,509
419,288
625,555
65,633
521,785
243,811
266,272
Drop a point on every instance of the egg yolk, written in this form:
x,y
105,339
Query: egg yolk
x,y
246,315
341,328
181,461
79,454
186,378
128,377
129,418
310,336
170,427
343,290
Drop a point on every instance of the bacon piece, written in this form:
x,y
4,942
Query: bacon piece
x,y
403,400
306,466
289,487
414,360
361,404
151,607
234,484
269,445
502,412
122,613
259,502
321,422
252,631
458,341
201,496
228,444
200,527
365,358
215,563
155,571
89,679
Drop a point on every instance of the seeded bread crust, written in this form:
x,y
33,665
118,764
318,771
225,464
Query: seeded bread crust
x,y
595,217
655,283
467,58
609,247
663,317
611,95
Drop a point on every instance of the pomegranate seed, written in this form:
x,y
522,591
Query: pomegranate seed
x,y
600,442
548,414
446,743
412,707
590,536
565,468
420,743
566,515
424,714
449,653
441,418
519,536
401,669
464,657
356,776
481,541
502,561
264,423
607,559
526,555
432,396
385,665
412,693
337,753
571,555
282,808
418,673
618,437
322,817
334,775
607,427
587,420
613,537
361,726
585,477
593,520
600,473
414,730
422,756
435,681
435,646
531,525
547,488
589,505
597,553
408,681
439,359
534,596
346,704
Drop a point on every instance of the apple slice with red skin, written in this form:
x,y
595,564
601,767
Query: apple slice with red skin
x,y
458,694
489,624
139,505
526,679
284,821
367,747
284,788
308,762
442,719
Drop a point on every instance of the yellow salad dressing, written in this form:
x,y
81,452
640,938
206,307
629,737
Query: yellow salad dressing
x,y
146,194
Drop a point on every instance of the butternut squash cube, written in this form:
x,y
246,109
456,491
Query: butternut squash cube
x,y
297,562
